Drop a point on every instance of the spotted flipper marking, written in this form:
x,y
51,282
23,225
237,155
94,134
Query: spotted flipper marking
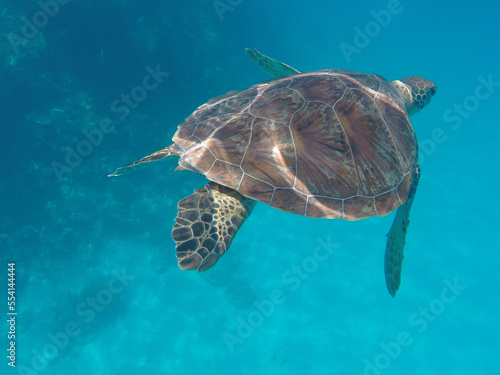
x,y
206,224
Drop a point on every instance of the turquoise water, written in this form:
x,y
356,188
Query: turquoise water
x,y
98,289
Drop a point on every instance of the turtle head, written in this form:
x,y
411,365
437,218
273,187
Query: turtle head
x,y
416,91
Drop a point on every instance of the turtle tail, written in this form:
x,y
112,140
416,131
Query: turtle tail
x,y
166,152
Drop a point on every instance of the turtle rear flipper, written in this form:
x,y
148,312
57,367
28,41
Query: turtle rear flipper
x,y
206,224
272,66
396,239
166,152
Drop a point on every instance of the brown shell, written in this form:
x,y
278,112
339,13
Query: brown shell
x,y
326,144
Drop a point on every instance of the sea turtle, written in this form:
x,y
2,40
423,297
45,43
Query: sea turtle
x,y
324,144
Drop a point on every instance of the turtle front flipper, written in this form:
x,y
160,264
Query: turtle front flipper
x,y
396,239
272,66
167,151
206,224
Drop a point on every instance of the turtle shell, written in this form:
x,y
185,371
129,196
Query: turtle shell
x,y
324,144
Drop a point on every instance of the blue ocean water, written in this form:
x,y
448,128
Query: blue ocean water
x,y
98,289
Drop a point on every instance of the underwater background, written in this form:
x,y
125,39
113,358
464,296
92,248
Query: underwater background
x,y
98,289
